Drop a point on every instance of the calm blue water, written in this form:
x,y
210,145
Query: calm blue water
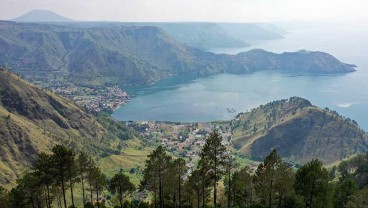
x,y
207,99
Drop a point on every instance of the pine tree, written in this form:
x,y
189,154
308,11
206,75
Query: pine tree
x,y
213,157
273,178
180,169
83,165
120,184
99,182
312,183
45,171
242,188
157,165
61,160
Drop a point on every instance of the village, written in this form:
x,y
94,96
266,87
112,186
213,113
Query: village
x,y
94,99
184,139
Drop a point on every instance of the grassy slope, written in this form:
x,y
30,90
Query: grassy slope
x,y
299,130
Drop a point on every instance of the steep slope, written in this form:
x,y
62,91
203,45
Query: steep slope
x,y
299,131
41,16
33,120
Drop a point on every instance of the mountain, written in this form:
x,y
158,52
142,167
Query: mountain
x,y
217,35
301,61
54,53
41,16
33,120
299,131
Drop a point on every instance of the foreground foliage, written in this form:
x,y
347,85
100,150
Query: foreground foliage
x,y
216,181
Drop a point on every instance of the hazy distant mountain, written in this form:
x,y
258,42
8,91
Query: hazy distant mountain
x,y
217,35
41,16
199,35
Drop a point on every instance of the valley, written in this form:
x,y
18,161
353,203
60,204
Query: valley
x,y
183,104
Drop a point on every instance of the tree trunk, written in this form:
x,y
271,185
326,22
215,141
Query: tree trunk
x,y
63,189
32,200
48,196
84,197
270,193
38,201
198,198
91,187
121,197
71,189
160,191
214,194
174,199
229,191
203,191
98,205
180,187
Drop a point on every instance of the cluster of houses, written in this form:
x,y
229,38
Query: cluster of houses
x,y
184,139
95,99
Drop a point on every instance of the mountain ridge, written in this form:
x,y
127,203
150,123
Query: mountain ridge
x,y
132,55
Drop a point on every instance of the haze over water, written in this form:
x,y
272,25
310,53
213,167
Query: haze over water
x,y
207,99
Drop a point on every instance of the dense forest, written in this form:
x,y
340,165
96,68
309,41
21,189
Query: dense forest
x,y
217,181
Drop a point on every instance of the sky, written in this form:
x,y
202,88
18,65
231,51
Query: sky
x,y
340,11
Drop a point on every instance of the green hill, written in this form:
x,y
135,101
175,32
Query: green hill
x,y
33,120
299,131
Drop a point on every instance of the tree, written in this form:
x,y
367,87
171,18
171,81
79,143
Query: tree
x,y
99,182
62,159
273,180
4,198
17,198
205,180
343,191
214,159
120,184
156,167
284,182
194,185
312,183
242,188
179,169
83,164
90,174
358,199
230,165
44,171
28,192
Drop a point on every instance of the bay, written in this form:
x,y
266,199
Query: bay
x,y
187,99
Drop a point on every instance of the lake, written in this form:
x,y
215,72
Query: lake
x,y
187,99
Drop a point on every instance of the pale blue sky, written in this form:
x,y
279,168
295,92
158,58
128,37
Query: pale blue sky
x,y
346,11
